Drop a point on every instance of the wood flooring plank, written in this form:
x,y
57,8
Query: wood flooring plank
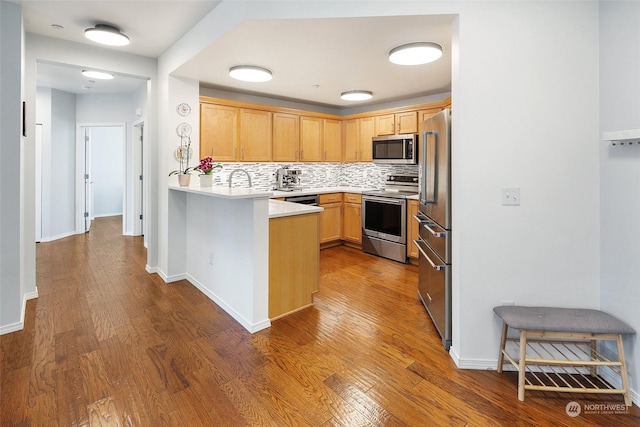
x,y
104,413
14,405
95,381
43,410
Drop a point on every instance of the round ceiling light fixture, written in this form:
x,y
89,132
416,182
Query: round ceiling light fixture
x,y
415,53
356,95
250,73
106,34
93,74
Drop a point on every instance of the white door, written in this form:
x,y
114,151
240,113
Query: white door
x,y
38,173
88,188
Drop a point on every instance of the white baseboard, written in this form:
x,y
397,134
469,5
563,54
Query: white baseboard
x,y
58,237
151,270
251,327
18,326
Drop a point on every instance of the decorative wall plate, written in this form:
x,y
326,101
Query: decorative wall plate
x,y
183,109
183,129
183,153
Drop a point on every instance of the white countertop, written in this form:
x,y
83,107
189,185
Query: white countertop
x,y
278,208
225,192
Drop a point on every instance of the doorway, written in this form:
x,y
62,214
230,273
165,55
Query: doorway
x,y
101,173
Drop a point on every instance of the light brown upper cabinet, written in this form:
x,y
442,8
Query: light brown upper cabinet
x,y
357,139
255,135
367,131
286,137
218,132
311,136
332,140
397,124
425,114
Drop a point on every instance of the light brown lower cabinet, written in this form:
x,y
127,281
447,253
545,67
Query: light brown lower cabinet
x,y
330,218
352,218
412,228
294,253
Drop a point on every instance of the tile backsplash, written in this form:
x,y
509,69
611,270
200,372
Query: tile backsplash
x,y
317,175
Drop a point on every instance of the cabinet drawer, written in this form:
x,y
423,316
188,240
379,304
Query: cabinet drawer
x,y
330,198
352,198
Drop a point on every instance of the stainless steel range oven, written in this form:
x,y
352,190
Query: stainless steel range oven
x,y
384,217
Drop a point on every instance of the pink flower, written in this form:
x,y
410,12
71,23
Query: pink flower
x,y
206,165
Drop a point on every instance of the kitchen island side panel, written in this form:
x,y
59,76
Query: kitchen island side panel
x,y
227,255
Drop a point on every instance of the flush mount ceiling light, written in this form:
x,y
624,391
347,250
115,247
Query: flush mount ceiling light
x,y
356,95
250,73
415,53
106,34
92,74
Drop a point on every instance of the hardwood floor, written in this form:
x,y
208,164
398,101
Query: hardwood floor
x,y
107,344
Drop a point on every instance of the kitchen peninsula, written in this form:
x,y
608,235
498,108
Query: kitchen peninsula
x,y
219,240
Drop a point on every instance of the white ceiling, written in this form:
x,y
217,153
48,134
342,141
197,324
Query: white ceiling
x,y
313,60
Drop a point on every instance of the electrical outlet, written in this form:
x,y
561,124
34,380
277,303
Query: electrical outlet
x,y
211,258
511,196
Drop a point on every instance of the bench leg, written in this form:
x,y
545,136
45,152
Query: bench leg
x,y
503,342
623,372
592,346
522,364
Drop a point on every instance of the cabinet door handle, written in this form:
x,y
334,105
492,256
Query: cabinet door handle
x,y
242,153
301,154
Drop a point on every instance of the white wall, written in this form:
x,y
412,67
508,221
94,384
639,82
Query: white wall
x,y
107,170
620,171
61,173
16,281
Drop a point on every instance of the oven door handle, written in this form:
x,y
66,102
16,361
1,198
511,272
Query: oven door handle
x,y
425,222
384,200
435,266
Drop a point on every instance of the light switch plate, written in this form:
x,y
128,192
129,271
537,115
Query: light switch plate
x,y
511,196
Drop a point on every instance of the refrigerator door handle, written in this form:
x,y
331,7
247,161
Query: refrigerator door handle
x,y
428,185
424,221
435,266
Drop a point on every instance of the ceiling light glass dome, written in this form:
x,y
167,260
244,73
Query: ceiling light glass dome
x,y
106,34
250,73
415,53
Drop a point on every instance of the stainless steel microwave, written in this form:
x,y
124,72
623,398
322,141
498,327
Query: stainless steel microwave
x,y
398,149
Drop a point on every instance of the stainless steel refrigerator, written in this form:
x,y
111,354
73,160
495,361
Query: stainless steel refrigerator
x,y
434,216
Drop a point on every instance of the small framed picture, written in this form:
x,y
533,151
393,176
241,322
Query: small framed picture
x,y
24,118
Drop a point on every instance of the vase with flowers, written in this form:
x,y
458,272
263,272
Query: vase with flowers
x,y
206,168
183,154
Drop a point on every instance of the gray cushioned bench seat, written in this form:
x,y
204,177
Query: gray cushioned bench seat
x,y
575,330
562,320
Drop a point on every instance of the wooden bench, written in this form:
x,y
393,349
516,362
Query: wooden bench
x,y
557,349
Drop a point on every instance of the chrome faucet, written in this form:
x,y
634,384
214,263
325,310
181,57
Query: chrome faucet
x,y
239,170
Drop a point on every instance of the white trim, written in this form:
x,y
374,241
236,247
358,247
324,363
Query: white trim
x,y
151,270
251,327
59,236
18,326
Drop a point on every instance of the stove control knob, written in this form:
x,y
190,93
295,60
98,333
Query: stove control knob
x,y
391,178
415,179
